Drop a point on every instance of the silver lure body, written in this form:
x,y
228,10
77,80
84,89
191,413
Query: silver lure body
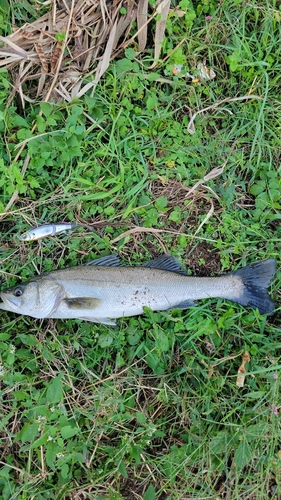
x,y
104,291
45,230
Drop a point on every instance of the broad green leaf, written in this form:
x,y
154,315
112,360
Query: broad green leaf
x,y
29,340
5,336
258,188
219,442
136,454
243,454
54,392
122,469
257,430
105,340
51,121
151,77
150,493
175,216
130,53
161,202
41,124
19,121
71,121
46,108
123,65
10,359
140,418
162,342
68,431
64,471
51,453
151,102
27,433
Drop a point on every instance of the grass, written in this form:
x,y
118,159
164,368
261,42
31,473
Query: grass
x,y
150,408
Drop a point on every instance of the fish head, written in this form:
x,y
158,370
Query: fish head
x,y
30,235
37,233
38,298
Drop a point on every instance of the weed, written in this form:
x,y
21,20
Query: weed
x,y
150,408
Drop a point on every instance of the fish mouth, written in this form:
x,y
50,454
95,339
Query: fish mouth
x,y
10,303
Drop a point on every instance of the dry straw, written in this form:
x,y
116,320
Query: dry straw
x,y
64,53
50,58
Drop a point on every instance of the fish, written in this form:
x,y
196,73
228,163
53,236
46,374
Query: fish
x,y
45,230
105,290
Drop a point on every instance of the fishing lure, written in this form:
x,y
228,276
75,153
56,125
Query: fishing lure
x,y
40,232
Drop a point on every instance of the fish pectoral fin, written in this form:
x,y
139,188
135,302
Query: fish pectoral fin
x,y
104,321
90,303
166,262
184,305
109,260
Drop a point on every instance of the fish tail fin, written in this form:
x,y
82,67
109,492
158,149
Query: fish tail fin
x,y
256,279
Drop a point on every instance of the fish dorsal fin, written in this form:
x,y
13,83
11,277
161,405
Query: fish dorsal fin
x,y
109,260
166,262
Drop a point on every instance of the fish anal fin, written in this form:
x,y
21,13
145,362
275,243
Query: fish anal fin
x,y
166,262
185,304
90,303
104,321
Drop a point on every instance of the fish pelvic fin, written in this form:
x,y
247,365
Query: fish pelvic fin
x,y
256,279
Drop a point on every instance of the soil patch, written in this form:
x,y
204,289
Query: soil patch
x,y
204,260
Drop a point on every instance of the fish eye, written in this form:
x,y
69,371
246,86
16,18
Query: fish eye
x,y
18,291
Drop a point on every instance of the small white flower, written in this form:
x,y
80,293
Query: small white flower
x,y
60,455
50,438
41,418
12,349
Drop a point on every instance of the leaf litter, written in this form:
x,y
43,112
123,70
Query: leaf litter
x,y
241,373
50,57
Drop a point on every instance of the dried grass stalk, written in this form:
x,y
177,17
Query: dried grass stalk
x,y
142,26
163,7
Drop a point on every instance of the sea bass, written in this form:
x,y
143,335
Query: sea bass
x,y
105,290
